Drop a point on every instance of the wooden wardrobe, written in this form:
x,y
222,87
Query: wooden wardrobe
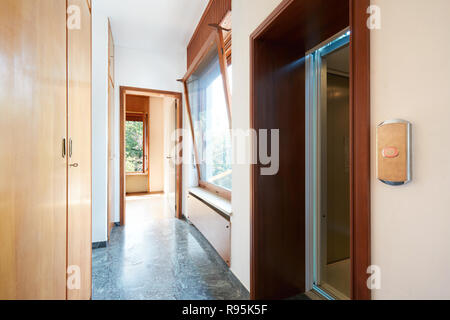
x,y
45,150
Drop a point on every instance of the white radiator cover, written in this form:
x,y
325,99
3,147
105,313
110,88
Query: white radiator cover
x,y
215,228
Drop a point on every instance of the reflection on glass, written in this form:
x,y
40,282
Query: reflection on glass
x,y
335,189
230,77
210,121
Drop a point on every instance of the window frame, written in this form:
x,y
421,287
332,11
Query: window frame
x,y
140,117
216,38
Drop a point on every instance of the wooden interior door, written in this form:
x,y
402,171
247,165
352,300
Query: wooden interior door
x,y
170,156
79,242
32,165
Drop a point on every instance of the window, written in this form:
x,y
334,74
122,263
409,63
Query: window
x,y
211,121
135,143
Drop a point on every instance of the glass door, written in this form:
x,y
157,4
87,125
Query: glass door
x,y
329,166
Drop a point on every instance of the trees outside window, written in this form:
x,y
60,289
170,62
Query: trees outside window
x,y
135,144
211,122
207,85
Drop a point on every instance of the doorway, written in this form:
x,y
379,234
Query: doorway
x,y
149,160
281,239
328,162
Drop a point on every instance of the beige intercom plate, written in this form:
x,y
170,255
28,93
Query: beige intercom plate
x,y
394,152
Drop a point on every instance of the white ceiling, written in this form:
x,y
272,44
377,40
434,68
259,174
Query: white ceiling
x,y
152,24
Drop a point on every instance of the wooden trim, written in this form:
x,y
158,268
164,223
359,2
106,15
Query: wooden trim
x,y
194,144
223,68
228,48
221,192
138,117
227,35
202,19
215,12
210,41
360,149
179,167
172,94
272,17
122,155
134,194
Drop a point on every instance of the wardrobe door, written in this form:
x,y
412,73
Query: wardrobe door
x,y
32,163
79,244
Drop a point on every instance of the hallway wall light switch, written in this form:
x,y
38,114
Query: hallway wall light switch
x,y
394,152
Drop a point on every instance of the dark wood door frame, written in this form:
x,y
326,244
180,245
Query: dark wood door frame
x,y
179,167
359,144
359,149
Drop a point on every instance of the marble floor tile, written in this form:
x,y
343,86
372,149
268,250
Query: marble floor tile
x,y
158,257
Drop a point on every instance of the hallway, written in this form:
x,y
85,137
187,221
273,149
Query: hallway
x,y
157,257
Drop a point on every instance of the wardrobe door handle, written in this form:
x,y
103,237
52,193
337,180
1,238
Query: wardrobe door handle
x,y
70,148
63,153
74,165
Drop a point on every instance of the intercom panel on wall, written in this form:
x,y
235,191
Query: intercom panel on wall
x,y
394,152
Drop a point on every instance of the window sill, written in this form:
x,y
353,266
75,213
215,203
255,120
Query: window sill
x,y
221,205
137,174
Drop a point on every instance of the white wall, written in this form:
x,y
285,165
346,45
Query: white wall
x,y
247,15
410,74
145,69
99,125
136,183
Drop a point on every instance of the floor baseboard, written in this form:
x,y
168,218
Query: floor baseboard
x,y
100,244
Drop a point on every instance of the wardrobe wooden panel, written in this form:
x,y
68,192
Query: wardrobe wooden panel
x,y
111,179
111,98
79,244
111,54
32,168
